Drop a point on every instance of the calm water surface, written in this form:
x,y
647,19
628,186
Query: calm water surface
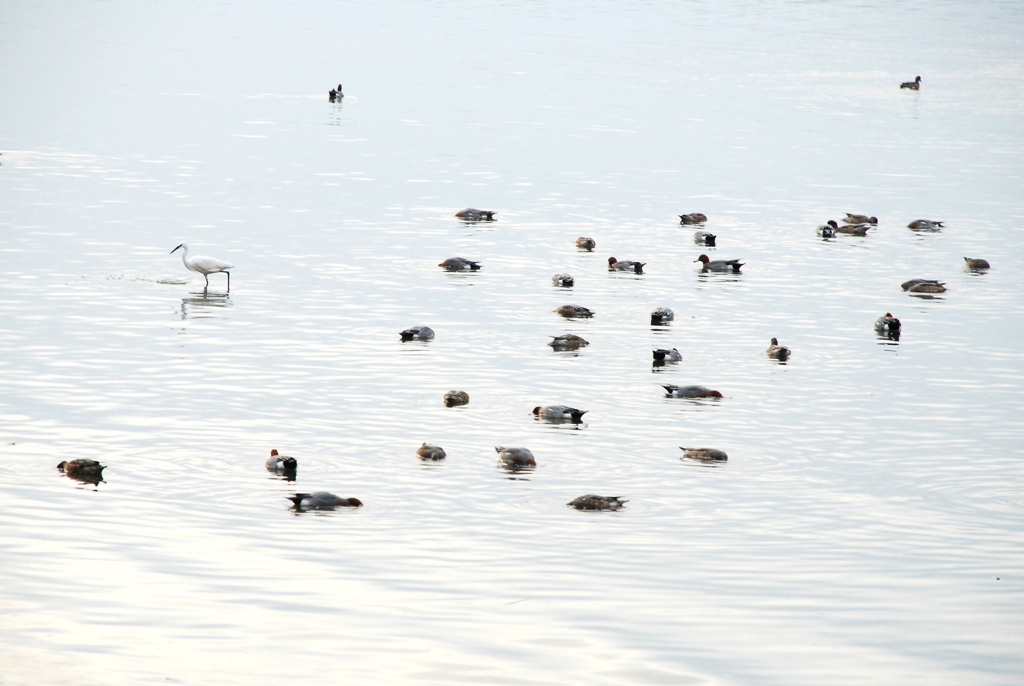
x,y
867,527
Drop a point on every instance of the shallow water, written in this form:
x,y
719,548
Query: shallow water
x,y
867,526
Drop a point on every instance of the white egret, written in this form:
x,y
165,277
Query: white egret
x,y
204,265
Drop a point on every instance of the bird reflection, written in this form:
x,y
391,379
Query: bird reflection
x,y
196,307
704,464
888,337
336,116
566,424
94,479
287,472
514,473
719,276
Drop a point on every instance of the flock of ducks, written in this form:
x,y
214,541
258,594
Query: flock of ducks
x,y
513,458
91,471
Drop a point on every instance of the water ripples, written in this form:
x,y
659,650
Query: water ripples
x,y
870,500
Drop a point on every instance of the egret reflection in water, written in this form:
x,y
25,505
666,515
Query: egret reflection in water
x,y
204,305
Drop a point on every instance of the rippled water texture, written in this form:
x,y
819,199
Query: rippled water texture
x,y
866,528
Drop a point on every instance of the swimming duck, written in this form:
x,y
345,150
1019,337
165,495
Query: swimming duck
x,y
560,413
417,333
887,323
515,457
563,280
693,218
855,229
453,398
455,264
927,287
776,351
704,238
335,93
431,452
475,215
924,225
719,265
568,340
661,315
281,463
907,285
860,219
597,502
322,501
586,243
705,454
626,265
976,263
828,229
82,468
691,391
912,85
571,311
664,355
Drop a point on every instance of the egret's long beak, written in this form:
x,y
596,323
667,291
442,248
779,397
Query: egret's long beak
x,y
172,252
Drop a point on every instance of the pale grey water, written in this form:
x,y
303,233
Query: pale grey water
x,y
868,525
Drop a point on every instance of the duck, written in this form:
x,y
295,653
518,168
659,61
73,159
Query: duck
x,y
828,229
568,340
204,265
417,333
704,454
560,413
431,452
719,265
474,215
860,219
976,263
82,468
776,351
335,93
281,463
704,238
453,398
925,225
691,391
322,500
927,287
912,85
626,265
665,355
693,218
855,229
662,315
597,502
586,243
907,285
887,323
571,311
456,264
515,457
565,280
